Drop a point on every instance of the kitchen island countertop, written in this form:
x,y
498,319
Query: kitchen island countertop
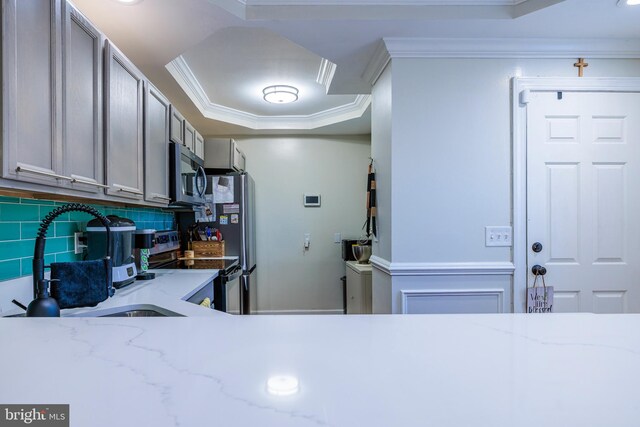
x,y
377,370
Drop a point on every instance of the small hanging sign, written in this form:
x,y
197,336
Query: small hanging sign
x,y
540,300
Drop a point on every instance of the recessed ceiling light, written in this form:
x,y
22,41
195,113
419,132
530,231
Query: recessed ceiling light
x,y
280,94
128,2
628,2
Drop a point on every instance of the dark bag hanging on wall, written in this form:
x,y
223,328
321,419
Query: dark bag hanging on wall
x,y
81,283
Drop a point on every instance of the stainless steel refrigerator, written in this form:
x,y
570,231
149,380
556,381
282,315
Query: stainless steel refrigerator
x,y
232,211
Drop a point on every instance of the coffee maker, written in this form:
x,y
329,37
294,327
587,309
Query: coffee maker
x,y
122,245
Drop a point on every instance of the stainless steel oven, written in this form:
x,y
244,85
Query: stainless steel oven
x,y
188,181
226,287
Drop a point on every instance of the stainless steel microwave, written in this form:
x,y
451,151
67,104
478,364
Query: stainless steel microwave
x,y
188,180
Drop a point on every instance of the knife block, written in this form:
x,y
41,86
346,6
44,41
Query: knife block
x,y
208,249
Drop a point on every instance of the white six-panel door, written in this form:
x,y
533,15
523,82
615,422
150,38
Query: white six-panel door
x,y
583,198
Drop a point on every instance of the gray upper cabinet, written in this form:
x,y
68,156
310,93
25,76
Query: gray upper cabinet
x,y
123,126
177,126
156,147
31,91
223,155
82,102
199,145
189,136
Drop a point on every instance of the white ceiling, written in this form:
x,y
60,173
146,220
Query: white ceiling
x,y
231,49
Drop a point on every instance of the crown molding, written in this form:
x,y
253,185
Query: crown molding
x,y
326,73
382,2
184,76
377,64
495,48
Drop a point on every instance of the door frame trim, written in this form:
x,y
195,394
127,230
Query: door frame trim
x,y
521,87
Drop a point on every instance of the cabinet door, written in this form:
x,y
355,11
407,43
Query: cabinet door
x,y
177,126
199,147
238,159
31,91
189,136
355,301
82,103
156,147
123,125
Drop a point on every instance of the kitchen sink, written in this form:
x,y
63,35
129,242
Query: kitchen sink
x,y
137,310
142,313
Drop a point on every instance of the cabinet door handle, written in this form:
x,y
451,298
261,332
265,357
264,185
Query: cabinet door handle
x,y
95,184
128,190
160,197
44,173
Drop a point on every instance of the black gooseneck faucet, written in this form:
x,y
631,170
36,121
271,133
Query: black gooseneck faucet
x,y
43,305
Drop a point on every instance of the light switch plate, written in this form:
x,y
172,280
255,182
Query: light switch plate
x,y
498,236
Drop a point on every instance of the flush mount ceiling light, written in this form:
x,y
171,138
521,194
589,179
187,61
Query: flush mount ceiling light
x,y
280,94
628,2
128,2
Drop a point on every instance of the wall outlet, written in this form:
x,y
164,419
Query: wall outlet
x,y
78,246
498,236
337,238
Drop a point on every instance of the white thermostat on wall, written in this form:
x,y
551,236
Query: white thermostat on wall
x,y
311,200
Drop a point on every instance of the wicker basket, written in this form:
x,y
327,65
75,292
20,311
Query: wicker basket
x,y
208,249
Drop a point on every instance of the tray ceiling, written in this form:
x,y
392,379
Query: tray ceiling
x,y
213,57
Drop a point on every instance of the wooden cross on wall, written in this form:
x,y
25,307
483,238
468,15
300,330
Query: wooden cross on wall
x,y
580,65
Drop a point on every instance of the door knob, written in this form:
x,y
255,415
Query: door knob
x,y
538,270
536,247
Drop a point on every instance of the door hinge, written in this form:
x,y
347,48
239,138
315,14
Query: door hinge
x,y
525,96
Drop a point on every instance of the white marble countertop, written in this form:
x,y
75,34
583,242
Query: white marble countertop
x,y
381,370
169,290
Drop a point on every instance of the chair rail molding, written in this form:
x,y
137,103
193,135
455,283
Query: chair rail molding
x,y
488,268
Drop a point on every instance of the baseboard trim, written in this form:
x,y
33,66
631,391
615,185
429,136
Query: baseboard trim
x,y
295,312
442,268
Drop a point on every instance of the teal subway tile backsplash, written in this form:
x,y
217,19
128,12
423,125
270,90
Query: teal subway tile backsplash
x,y
38,202
9,269
20,221
29,230
6,199
15,249
10,231
65,228
18,212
